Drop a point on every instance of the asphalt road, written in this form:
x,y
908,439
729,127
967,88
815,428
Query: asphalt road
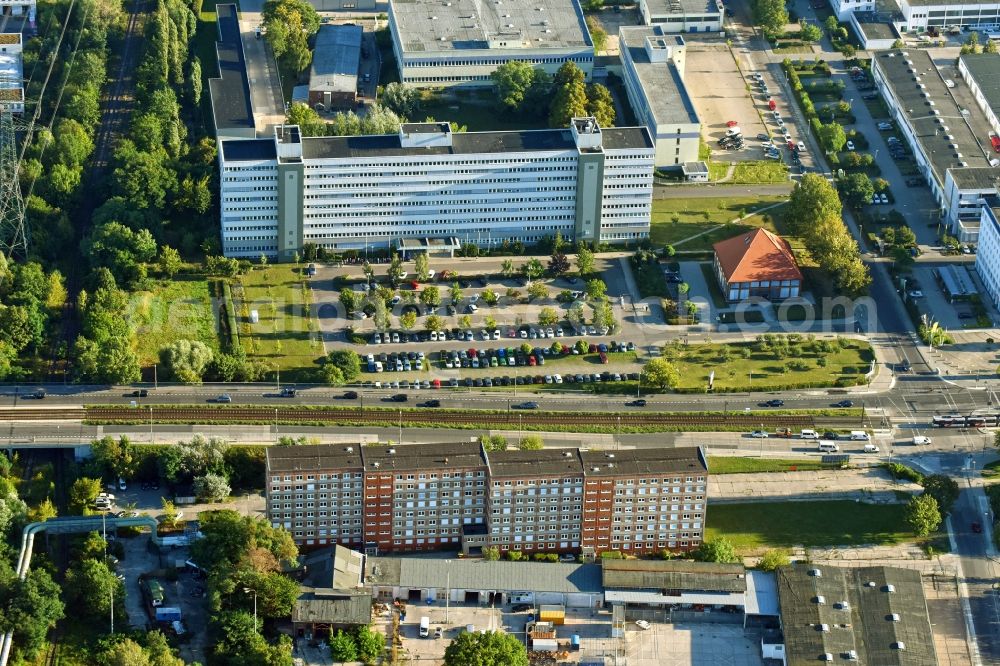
x,y
980,571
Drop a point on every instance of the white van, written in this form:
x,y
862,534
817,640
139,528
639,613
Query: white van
x,y
809,434
921,439
828,447
425,627
860,436
871,448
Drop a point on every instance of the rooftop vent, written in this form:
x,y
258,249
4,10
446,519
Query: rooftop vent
x,y
434,18
350,449
819,599
567,454
889,588
899,645
851,655
826,657
823,627
892,617
375,464
842,605
815,572
596,469
870,583
392,452
610,455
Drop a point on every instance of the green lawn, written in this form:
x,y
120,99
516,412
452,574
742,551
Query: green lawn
x,y
737,465
676,219
173,310
767,171
757,526
286,335
476,109
732,370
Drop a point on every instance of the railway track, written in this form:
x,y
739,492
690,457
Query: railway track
x,y
375,415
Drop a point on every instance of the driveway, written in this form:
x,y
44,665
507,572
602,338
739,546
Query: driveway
x,y
699,293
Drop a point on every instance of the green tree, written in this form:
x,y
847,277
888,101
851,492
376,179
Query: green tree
x,y
596,289
717,550
507,266
308,120
597,34
170,261
29,608
575,315
493,442
422,267
490,297
186,360
465,322
858,190
82,493
371,644
492,648
395,271
601,105
211,487
401,100
342,647
810,32
434,323
584,262
114,457
512,81
455,293
349,299
90,587
604,316
770,15
832,136
831,24
531,443
923,515
430,296
558,264
228,538
943,489
533,269
347,361
491,553
661,373
548,317
240,642
568,102
288,25
408,320
772,559
538,291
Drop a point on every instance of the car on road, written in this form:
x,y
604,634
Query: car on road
x,y
801,146
638,402
643,624
844,403
884,125
921,439
829,434
400,397
759,434
916,293
764,137
526,405
977,527
882,198
350,395
773,403
225,397
288,392
567,558
430,403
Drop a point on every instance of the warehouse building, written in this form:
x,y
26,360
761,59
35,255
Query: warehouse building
x,y
981,72
459,496
333,75
653,70
482,582
461,42
682,15
426,182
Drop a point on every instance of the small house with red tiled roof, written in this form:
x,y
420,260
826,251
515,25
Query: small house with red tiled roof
x,y
757,263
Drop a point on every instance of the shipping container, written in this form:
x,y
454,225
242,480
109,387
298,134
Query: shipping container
x,y
553,614
545,645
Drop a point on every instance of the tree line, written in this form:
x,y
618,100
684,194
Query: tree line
x,y
528,91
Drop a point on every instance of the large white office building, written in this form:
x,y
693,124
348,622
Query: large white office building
x,y
653,70
426,182
461,42
988,251
918,15
683,15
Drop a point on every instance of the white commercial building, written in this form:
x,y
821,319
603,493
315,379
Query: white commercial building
x,y
950,143
988,251
653,70
11,73
918,15
461,42
18,8
426,182
981,72
683,15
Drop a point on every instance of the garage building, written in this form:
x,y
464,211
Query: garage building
x,y
483,582
333,76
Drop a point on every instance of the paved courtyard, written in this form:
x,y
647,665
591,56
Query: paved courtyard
x,y
692,645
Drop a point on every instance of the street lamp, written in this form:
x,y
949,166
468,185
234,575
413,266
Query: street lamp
x,y
250,590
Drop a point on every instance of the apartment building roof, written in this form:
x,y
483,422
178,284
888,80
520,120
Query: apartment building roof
x,y
313,457
522,464
756,255
426,27
477,574
662,85
230,91
634,462
682,7
336,58
938,121
674,575
983,68
249,150
876,614
437,457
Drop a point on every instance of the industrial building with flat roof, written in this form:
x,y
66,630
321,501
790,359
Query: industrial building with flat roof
x,y
451,496
461,42
653,70
988,250
682,15
352,192
870,616
981,72
333,75
229,92
949,142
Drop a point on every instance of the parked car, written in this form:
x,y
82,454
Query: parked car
x,y
850,145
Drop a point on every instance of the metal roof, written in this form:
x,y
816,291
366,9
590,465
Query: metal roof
x,y
332,607
427,573
674,575
983,68
336,59
653,598
878,613
348,565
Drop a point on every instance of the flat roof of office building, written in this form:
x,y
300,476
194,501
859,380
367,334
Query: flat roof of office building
x,y
389,145
230,91
926,102
875,25
248,150
432,26
662,85
624,138
683,7
478,574
984,68
336,59
977,178
438,457
633,462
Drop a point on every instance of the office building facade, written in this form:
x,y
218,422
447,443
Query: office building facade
x,y
354,193
451,496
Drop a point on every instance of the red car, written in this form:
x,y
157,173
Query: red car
x,y
732,123
977,528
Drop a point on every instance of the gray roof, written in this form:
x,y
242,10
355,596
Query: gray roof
x,y
313,457
249,150
632,462
876,26
940,128
625,138
336,59
514,463
382,145
977,178
983,68
332,607
877,612
426,573
683,7
430,27
230,92
348,565
439,457
662,85
674,575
